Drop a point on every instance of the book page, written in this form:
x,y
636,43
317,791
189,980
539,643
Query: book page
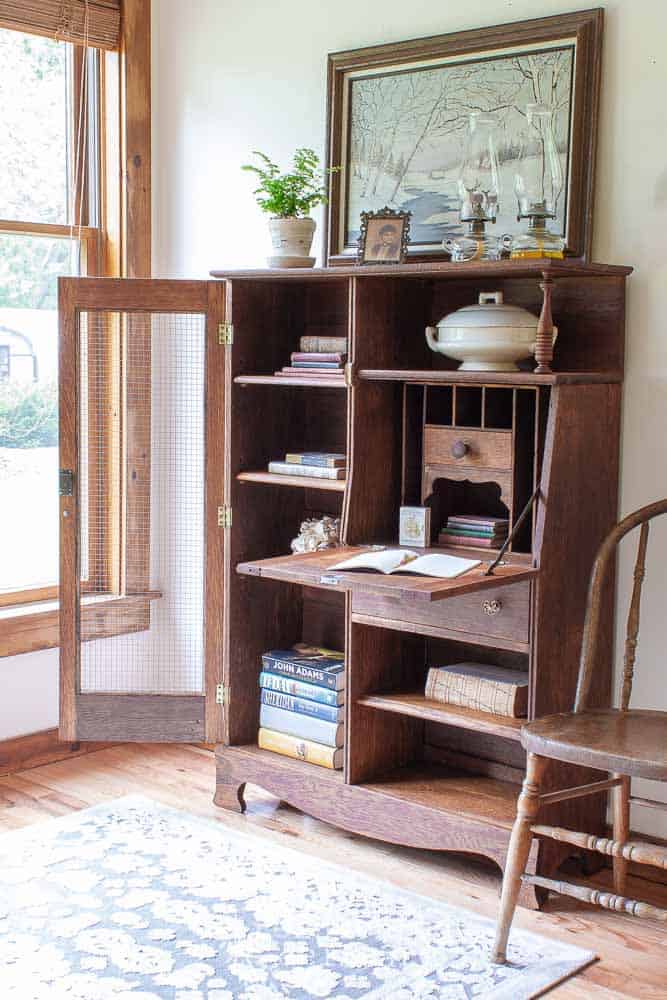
x,y
441,566
385,561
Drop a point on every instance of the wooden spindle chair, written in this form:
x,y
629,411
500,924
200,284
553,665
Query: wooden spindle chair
x,y
625,742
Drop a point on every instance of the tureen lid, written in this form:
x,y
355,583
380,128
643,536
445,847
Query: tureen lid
x,y
490,311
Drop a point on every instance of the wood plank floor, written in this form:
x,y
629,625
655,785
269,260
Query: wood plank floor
x,y
633,953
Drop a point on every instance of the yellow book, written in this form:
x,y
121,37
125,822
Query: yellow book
x,y
292,746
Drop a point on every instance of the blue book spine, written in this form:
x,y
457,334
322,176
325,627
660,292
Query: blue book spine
x,y
303,726
311,692
302,706
331,673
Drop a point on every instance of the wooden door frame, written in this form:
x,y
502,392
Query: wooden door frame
x,y
144,717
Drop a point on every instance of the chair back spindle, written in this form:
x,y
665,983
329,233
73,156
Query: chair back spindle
x,y
593,624
632,629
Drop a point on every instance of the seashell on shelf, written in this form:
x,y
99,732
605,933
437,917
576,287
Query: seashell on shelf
x,y
317,533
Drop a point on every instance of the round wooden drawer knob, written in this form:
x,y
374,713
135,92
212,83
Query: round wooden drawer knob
x,y
492,607
460,449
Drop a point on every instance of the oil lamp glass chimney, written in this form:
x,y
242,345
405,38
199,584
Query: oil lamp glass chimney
x,y
538,183
478,190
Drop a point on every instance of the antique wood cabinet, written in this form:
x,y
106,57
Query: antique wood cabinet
x,y
416,772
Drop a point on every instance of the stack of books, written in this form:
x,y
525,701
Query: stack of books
x,y
472,529
317,357
318,464
302,695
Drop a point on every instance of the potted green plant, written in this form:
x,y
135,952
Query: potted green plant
x,y
288,199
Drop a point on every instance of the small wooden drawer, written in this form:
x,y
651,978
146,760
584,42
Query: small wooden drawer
x,y
497,613
473,448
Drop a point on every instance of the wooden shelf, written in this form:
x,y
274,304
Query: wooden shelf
x,y
418,706
319,383
451,792
434,377
305,482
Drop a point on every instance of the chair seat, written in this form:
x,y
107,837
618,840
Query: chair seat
x,y
632,742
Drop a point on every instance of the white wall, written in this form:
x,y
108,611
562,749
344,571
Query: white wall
x,y
230,76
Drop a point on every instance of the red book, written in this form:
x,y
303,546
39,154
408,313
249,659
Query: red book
x,y
317,357
468,541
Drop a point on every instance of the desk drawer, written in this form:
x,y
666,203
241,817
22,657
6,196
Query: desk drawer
x,y
470,448
497,613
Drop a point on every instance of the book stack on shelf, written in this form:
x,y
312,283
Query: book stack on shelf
x,y
316,464
475,530
317,357
481,686
302,704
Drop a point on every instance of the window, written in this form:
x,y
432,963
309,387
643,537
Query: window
x,y
49,212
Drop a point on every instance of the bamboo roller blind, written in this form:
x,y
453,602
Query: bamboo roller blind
x,y
66,20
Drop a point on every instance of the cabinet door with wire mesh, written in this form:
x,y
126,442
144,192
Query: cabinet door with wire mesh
x,y
143,482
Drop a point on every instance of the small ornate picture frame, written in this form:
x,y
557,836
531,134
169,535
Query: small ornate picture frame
x,y
384,237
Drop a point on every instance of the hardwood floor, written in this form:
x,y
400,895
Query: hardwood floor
x,y
632,952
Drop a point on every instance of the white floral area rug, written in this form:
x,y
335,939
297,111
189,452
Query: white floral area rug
x,y
134,901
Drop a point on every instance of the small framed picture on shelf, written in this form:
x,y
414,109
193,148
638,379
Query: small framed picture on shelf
x,y
384,237
414,526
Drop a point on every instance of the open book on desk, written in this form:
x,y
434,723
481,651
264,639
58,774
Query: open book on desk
x,y
387,561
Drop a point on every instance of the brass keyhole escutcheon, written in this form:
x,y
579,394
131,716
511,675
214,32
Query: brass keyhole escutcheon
x,y
492,607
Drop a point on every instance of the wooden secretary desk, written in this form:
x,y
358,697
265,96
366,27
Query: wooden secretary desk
x,y
176,565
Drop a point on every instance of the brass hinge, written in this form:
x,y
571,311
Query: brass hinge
x,y
66,483
224,516
349,374
226,334
221,693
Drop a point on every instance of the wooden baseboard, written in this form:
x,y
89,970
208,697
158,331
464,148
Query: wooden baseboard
x,y
23,752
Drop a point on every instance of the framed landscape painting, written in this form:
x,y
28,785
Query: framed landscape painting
x,y
398,119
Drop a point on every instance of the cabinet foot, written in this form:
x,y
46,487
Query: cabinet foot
x,y
229,794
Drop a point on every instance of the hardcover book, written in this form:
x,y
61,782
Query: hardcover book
x,y
300,689
327,459
323,345
324,668
316,471
481,686
291,746
317,358
336,373
303,706
304,726
467,540
321,365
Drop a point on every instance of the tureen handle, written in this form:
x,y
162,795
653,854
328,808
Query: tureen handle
x,y
432,338
491,298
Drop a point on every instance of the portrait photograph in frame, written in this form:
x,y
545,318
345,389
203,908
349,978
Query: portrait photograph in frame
x,y
383,237
398,117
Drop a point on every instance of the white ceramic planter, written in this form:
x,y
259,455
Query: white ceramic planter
x,y
291,240
488,337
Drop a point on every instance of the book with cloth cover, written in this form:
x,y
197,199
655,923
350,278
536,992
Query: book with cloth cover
x,y
319,365
316,471
313,665
292,746
303,706
481,686
281,720
327,459
317,357
323,345
300,689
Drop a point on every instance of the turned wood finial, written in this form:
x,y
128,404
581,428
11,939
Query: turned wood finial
x,y
632,631
544,344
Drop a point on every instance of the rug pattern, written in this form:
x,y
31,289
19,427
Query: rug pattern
x,y
133,901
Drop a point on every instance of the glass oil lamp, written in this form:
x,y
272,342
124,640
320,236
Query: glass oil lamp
x,y
538,183
478,190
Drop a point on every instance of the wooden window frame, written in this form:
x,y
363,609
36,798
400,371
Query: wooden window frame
x,y
119,247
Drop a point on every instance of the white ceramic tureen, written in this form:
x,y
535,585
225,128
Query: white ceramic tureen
x,y
488,337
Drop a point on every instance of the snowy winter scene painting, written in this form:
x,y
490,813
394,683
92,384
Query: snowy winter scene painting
x,y
407,127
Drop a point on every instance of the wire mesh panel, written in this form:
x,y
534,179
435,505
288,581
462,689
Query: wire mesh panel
x,y
142,502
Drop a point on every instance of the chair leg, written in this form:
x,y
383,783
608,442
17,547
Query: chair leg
x,y
517,854
620,804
